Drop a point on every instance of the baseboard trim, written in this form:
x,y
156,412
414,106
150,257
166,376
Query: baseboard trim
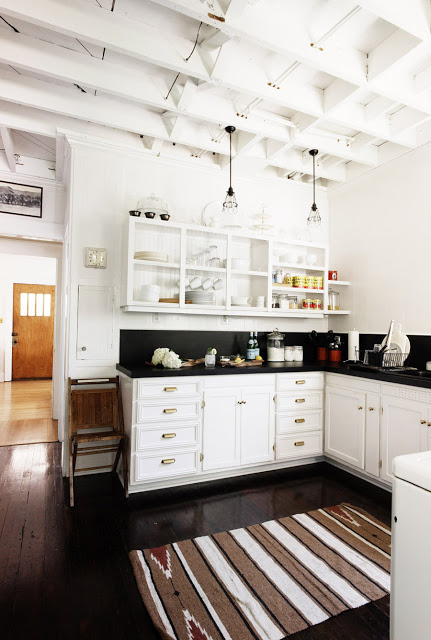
x,y
359,474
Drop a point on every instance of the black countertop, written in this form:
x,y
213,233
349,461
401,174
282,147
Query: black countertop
x,y
146,371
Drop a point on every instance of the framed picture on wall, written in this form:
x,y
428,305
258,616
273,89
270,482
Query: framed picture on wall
x,y
20,199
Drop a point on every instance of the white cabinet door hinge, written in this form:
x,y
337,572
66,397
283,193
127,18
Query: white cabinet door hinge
x,y
201,457
203,404
380,464
275,398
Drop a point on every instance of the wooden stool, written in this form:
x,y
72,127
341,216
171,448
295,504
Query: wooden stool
x,y
97,414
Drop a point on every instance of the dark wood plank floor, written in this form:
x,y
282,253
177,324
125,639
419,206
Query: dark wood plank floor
x,y
65,573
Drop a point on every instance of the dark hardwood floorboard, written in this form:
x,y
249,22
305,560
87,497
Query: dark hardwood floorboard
x,y
65,573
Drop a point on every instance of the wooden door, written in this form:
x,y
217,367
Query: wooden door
x,y
345,425
257,424
33,331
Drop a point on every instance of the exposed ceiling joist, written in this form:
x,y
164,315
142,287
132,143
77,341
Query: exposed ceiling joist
x,y
8,148
413,17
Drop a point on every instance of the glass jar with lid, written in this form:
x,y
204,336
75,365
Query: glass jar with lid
x,y
275,346
289,354
283,301
298,353
274,301
293,302
333,300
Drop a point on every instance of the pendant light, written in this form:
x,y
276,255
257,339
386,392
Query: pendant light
x,y
314,219
230,204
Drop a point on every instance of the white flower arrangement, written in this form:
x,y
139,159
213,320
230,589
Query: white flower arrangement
x,y
166,357
158,355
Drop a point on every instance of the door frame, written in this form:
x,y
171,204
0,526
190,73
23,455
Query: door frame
x,y
36,249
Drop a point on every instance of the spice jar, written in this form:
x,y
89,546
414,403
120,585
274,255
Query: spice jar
x,y
279,276
289,354
333,300
298,354
275,346
274,301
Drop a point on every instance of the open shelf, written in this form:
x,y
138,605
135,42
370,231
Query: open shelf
x,y
339,283
285,289
340,312
151,263
206,269
237,272
296,265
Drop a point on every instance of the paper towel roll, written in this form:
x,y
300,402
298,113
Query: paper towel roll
x,y
353,345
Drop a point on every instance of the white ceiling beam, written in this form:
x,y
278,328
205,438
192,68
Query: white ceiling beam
x,y
422,82
156,147
389,52
235,9
407,118
8,148
413,16
378,107
215,40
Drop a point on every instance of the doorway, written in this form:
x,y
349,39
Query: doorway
x,y
33,331
30,369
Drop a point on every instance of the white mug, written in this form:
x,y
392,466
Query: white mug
x,y
195,282
207,283
260,301
218,283
241,300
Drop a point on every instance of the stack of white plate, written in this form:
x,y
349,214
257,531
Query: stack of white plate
x,y
155,256
200,297
150,293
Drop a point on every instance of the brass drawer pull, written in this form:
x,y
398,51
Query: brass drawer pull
x,y
429,424
299,420
360,408
300,400
370,408
169,435
171,389
300,382
168,461
299,444
169,410
423,421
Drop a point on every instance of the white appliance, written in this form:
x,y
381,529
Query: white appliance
x,y
411,548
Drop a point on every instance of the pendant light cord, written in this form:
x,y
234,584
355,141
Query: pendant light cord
x,y
230,160
314,181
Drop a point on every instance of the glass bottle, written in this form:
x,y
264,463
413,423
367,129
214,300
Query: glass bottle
x,y
250,347
256,346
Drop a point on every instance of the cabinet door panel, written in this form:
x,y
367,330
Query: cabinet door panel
x,y
403,431
221,428
345,425
257,425
372,434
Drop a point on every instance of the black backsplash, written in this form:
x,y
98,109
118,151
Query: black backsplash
x,y
137,346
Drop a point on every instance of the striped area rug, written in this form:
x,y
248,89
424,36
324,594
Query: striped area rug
x,y
267,581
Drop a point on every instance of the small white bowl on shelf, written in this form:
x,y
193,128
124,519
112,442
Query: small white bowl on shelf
x,y
150,293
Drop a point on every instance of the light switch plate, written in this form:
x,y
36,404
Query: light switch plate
x,y
95,258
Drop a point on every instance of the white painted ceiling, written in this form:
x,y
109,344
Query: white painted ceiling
x,y
352,79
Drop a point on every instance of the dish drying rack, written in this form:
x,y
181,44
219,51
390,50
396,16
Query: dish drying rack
x,y
387,359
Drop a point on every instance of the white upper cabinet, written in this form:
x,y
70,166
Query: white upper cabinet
x,y
345,425
203,270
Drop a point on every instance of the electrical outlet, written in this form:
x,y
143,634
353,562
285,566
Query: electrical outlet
x,y
95,258
156,318
224,320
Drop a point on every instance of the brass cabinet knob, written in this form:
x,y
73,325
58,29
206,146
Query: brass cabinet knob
x,y
429,424
423,421
370,408
360,408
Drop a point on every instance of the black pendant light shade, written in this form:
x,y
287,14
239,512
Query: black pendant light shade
x,y
230,204
314,219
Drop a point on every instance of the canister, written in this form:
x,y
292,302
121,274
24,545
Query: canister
x,y
299,281
306,303
293,302
319,282
316,304
308,282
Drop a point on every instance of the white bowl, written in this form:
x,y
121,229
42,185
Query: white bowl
x,y
150,297
241,300
150,288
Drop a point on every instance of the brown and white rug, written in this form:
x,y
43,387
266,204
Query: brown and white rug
x,y
267,581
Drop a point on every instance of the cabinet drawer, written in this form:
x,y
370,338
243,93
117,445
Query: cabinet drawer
x,y
170,436
299,401
298,445
163,411
297,422
299,381
164,464
167,388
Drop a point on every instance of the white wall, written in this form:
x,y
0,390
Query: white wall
x,y
23,262
380,239
106,183
50,225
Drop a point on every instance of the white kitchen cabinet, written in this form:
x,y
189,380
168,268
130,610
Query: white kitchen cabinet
x,y
345,425
221,435
257,424
404,430
244,268
372,434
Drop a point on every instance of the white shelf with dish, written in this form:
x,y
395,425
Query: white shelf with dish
x,y
230,265
339,283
